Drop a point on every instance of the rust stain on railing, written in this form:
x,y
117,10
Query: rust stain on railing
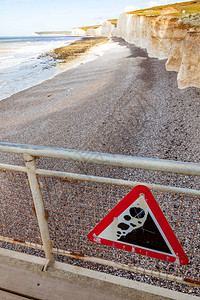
x,y
192,282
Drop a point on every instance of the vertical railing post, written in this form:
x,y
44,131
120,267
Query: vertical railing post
x,y
39,207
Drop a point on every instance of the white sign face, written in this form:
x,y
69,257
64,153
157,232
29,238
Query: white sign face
x,y
132,220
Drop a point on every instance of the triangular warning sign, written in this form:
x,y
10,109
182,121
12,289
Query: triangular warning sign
x,y
137,224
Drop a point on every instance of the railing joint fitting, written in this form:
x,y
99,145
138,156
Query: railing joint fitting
x,y
48,264
26,161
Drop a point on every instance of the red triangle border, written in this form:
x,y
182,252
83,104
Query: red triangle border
x,y
130,198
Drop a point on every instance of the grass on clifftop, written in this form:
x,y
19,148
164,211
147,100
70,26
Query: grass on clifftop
x,y
188,12
76,49
113,22
89,27
182,8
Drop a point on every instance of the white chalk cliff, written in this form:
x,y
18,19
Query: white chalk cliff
x,y
78,32
164,37
106,29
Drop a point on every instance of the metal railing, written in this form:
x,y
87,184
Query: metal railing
x,y
53,211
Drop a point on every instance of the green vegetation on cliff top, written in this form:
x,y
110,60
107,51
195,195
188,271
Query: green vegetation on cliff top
x,y
182,8
112,21
187,12
89,27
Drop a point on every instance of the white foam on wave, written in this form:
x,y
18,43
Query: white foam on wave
x,y
8,63
22,64
2,84
22,52
6,57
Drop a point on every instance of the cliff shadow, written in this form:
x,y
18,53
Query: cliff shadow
x,y
135,51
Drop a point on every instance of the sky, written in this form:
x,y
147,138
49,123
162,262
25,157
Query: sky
x,y
24,17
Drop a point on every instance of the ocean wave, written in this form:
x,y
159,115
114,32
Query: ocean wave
x,y
21,65
2,84
6,57
25,52
7,63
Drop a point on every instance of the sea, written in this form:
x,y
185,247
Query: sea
x,y
23,62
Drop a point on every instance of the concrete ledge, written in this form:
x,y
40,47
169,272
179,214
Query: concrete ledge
x,y
21,274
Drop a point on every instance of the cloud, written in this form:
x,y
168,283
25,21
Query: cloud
x,y
131,8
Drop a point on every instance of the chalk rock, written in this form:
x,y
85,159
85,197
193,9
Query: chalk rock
x,y
91,32
189,73
165,37
78,32
134,29
106,29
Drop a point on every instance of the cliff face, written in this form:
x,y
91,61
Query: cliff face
x,y
106,29
78,32
189,71
134,29
165,37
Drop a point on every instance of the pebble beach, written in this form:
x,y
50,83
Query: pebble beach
x,y
114,100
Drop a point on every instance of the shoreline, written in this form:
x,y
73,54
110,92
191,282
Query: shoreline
x,y
85,57
62,66
76,49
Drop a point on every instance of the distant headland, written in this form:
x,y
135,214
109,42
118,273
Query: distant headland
x,y
52,33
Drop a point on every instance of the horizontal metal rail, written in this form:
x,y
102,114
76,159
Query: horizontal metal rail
x,y
105,159
13,168
111,181
119,182
130,268
119,265
21,243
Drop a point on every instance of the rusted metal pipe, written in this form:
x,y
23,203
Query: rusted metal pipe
x,y
39,206
119,182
